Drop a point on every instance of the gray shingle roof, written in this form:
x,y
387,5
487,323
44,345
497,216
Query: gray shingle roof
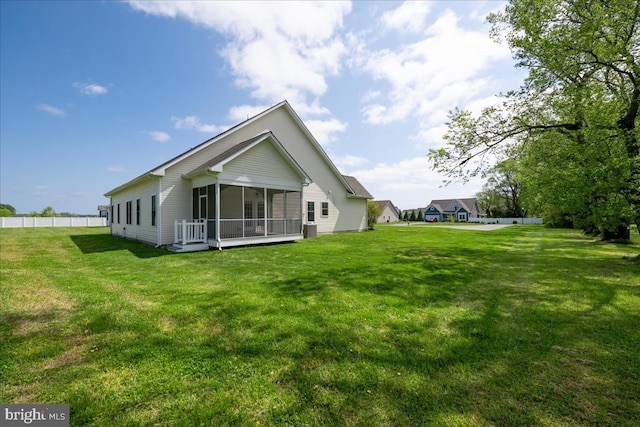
x,y
358,189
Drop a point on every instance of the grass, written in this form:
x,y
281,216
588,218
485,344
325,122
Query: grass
x,y
400,326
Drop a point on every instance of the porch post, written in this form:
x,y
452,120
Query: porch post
x,y
217,223
302,212
242,210
266,209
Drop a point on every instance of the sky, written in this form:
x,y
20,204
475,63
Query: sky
x,y
93,94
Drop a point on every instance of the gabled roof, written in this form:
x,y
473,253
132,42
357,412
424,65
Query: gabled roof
x,y
160,170
384,203
217,163
357,189
443,204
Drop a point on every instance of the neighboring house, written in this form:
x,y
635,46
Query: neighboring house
x,y
103,211
388,212
458,209
264,180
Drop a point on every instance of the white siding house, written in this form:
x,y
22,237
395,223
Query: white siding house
x,y
264,180
388,212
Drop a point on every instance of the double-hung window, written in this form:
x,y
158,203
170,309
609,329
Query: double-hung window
x,y
311,211
153,210
325,209
129,212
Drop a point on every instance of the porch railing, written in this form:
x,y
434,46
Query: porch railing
x,y
241,228
186,232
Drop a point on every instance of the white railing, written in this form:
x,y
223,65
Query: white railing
x,y
514,220
190,232
51,221
241,228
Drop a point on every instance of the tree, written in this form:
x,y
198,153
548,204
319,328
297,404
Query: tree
x,y
373,212
7,208
48,211
412,217
420,216
504,189
573,123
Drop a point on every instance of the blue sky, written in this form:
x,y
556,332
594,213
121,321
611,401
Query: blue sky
x,y
95,93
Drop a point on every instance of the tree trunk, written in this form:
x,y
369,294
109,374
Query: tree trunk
x,y
621,233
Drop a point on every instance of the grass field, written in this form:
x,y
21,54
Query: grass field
x,y
402,326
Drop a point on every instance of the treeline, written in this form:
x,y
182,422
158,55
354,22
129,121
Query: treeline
x,y
8,210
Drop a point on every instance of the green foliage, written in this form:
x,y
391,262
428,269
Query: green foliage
x,y
407,326
4,208
573,124
500,195
373,212
420,216
413,217
48,211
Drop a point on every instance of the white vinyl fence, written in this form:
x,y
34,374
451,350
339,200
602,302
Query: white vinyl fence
x,y
53,221
506,220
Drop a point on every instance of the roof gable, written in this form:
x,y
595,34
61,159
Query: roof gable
x,y
160,170
449,204
217,163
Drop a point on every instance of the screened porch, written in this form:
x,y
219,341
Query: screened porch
x,y
231,215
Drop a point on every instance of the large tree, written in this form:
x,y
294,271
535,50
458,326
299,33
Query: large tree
x,y
573,123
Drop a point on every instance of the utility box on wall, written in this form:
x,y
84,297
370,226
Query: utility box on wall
x,y
310,230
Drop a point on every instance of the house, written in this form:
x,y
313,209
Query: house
x,y
458,209
264,180
103,211
388,212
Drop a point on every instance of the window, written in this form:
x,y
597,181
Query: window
x,y
118,213
325,209
153,210
311,212
129,212
137,211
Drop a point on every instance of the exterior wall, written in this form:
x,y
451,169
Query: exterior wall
x,y
345,214
145,231
388,215
262,161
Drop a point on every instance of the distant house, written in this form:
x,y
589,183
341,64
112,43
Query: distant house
x,y
103,211
458,209
389,213
264,180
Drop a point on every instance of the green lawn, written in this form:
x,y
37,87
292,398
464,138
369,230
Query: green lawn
x,y
400,326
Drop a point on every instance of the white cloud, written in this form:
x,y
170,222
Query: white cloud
x,y
324,130
410,16
433,75
349,162
411,183
115,169
90,88
158,135
193,123
275,50
50,109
